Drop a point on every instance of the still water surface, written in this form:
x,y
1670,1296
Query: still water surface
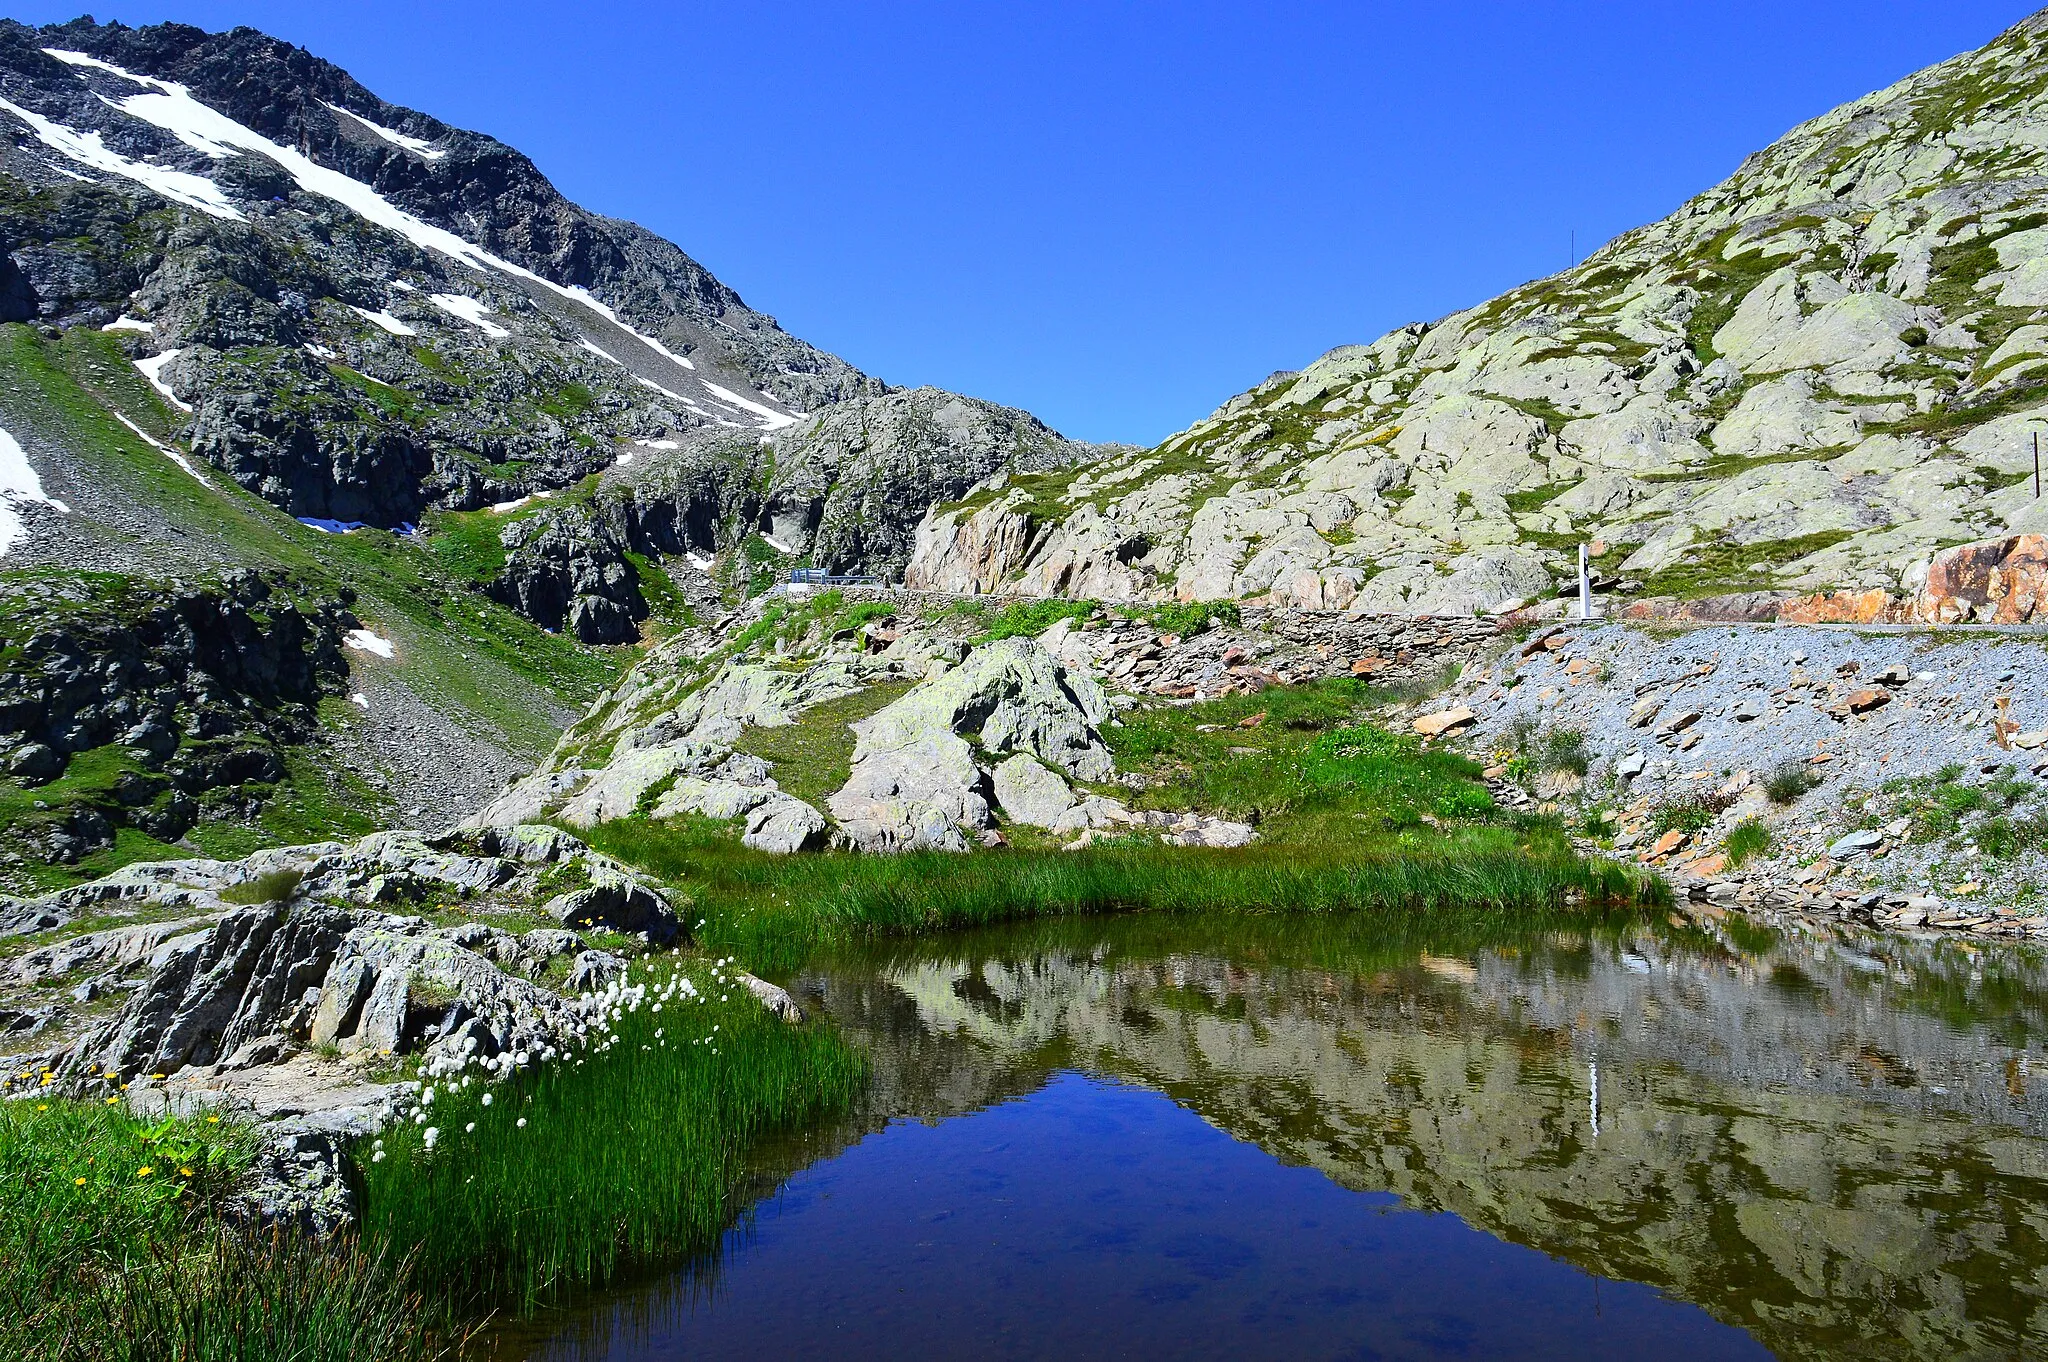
x,y
1158,1138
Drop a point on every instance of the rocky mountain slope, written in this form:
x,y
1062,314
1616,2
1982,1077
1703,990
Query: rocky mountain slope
x,y
1812,375
842,490
257,324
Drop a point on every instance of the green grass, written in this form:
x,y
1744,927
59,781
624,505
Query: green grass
x,y
665,602
813,756
1687,812
115,1244
1309,754
625,1156
1022,618
463,653
1188,618
1720,566
1746,841
275,886
773,912
1723,284
1788,780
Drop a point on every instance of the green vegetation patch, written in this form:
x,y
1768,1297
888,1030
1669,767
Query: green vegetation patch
x,y
1024,618
775,912
1297,760
120,1242
629,1155
813,756
1722,566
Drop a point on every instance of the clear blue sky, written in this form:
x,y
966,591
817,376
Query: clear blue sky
x,y
1116,215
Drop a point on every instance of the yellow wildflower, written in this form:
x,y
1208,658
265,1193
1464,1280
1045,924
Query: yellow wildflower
x,y
79,1183
113,1101
184,1172
144,1171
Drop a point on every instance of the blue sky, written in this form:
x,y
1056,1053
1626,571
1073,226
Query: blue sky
x,y
1117,215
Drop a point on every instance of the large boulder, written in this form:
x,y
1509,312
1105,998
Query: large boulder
x,y
1030,793
784,826
915,782
1997,581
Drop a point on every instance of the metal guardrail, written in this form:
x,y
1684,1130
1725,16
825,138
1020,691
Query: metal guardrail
x,y
820,577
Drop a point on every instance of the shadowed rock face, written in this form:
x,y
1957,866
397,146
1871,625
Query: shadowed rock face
x,y
1838,1144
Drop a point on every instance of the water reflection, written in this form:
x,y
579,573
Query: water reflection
x,y
1837,1143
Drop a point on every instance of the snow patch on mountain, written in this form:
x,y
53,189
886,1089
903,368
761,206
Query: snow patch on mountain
x,y
153,370
420,147
160,447
194,191
468,310
384,321
771,419
18,483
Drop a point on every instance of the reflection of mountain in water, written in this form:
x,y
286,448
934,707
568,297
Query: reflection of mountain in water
x,y
1833,1143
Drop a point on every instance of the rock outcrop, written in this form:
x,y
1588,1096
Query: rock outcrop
x,y
199,687
916,781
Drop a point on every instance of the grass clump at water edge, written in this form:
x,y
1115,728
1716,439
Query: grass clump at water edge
x,y
776,910
625,1154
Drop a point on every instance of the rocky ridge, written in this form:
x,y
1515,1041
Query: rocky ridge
x,y
1809,377
841,491
190,695
287,986
923,732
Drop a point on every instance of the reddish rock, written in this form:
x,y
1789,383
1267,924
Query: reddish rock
x,y
1844,607
1369,666
1996,581
1863,701
1706,867
1665,845
1443,721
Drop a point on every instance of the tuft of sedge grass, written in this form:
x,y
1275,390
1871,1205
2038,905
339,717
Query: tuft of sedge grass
x,y
86,1192
626,1154
274,886
1746,841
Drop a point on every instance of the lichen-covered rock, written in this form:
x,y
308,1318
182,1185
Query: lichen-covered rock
x,y
784,826
1826,308
1028,792
915,783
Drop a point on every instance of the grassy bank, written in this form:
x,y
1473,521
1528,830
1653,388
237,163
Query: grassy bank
x,y
773,911
625,1155
118,1244
1352,818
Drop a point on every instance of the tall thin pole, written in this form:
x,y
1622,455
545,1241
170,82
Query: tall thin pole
x,y
2037,465
1585,587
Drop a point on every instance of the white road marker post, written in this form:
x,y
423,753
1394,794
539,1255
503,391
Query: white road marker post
x,y
1585,586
